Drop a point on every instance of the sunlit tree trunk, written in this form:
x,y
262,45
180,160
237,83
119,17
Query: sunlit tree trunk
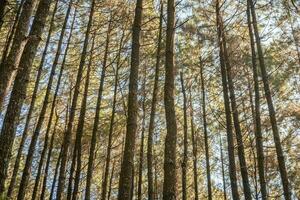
x,y
41,119
10,65
232,166
127,166
31,108
153,109
19,89
272,113
257,121
185,141
169,185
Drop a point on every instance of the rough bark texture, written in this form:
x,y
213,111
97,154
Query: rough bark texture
x,y
41,119
272,113
169,186
126,175
19,90
9,67
232,166
153,110
257,119
31,109
68,133
185,141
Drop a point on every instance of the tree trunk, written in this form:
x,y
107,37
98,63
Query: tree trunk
x,y
194,144
19,90
97,114
127,167
29,159
68,133
209,191
31,108
272,113
11,35
141,161
236,122
111,180
53,105
257,119
153,109
9,68
169,186
185,141
232,167
223,171
112,121
55,174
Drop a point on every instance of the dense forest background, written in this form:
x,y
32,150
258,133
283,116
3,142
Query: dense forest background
x,y
145,99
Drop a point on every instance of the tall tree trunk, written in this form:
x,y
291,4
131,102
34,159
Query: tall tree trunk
x,y
232,166
141,161
223,170
127,167
272,113
55,174
81,124
97,114
68,133
29,159
11,34
19,90
209,191
31,108
112,122
111,180
153,109
185,141
9,67
236,122
194,144
257,124
169,185
53,105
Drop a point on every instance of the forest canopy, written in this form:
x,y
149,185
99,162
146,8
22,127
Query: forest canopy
x,y
160,99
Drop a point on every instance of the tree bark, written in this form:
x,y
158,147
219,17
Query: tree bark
x,y
141,161
31,108
19,89
153,109
68,133
257,119
209,191
112,122
236,122
232,166
169,185
97,114
9,67
272,113
185,141
195,153
127,167
223,170
29,159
